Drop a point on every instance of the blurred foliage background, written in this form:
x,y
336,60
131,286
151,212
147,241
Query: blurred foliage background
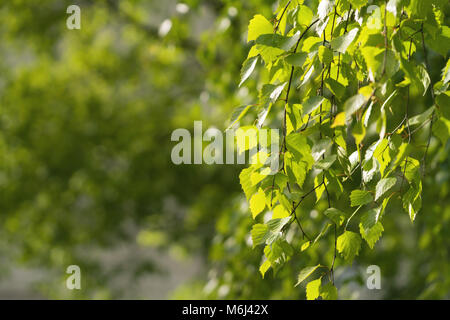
x,y
85,171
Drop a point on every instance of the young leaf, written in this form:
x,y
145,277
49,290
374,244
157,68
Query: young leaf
x,y
246,183
360,197
335,87
264,267
358,3
305,246
313,289
296,59
298,145
305,273
359,132
312,104
369,219
237,115
441,129
325,55
278,41
348,245
353,104
339,120
371,235
337,216
383,186
325,164
247,69
341,43
259,232
257,204
420,118
304,16
258,25
328,292
280,212
412,201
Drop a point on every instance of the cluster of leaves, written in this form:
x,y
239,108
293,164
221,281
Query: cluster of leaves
x,y
338,77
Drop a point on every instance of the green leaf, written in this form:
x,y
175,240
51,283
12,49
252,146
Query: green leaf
x,y
271,46
337,216
341,43
247,69
424,78
257,204
360,197
319,190
324,8
275,226
278,252
312,104
382,155
281,180
369,219
441,129
358,3
325,55
280,212
304,16
296,169
336,88
259,233
256,177
246,183
412,201
313,289
325,164
270,93
373,56
264,267
237,115
246,138
269,54
328,292
392,63
278,41
371,235
420,118
418,7
305,246
412,171
320,147
305,273
353,104
296,59
383,186
359,132
348,245
258,25
339,120
441,43
298,145
443,101
446,73
416,74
